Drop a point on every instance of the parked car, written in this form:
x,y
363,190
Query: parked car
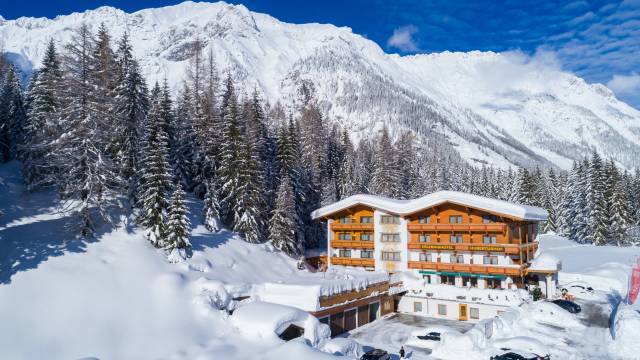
x,y
570,306
519,355
427,338
434,335
376,354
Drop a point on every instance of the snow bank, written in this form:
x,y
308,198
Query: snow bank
x,y
343,347
625,330
545,262
267,321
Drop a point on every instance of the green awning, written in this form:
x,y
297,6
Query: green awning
x,y
481,276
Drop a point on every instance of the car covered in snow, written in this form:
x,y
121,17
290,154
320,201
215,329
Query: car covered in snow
x,y
376,354
427,338
570,306
519,355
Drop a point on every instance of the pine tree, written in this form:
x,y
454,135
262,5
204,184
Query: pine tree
x,y
211,213
130,109
385,173
283,224
619,217
178,228
183,142
43,127
596,202
155,177
87,177
12,115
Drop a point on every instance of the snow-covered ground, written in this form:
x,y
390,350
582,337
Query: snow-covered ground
x,y
119,298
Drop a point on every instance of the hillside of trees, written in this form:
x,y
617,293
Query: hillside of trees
x,y
88,125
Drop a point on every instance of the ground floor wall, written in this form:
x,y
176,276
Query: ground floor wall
x,y
448,309
347,317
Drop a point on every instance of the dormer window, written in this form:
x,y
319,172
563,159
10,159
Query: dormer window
x,y
424,220
488,219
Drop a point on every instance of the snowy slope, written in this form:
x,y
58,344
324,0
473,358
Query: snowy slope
x,y
497,108
119,298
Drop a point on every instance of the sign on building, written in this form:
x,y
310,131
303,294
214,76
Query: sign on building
x,y
634,287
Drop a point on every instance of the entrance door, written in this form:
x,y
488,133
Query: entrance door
x,y
463,312
373,311
350,319
337,323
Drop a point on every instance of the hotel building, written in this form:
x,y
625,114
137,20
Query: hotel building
x,y
472,255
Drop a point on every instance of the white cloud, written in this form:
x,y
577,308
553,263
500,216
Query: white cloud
x,y
625,85
403,38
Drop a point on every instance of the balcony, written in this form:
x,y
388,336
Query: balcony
x,y
468,268
352,261
346,244
479,247
458,227
351,226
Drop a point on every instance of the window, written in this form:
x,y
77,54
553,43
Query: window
x,y
457,259
424,220
455,239
344,236
489,239
447,279
366,254
366,237
455,219
417,306
390,237
494,283
345,253
345,220
474,313
324,320
427,278
470,281
487,219
391,255
490,260
366,219
425,257
389,219
423,238
442,309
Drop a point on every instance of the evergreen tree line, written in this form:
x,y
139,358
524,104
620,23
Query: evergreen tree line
x,y
88,126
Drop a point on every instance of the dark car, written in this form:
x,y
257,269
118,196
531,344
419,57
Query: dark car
x,y
435,336
570,306
376,354
519,356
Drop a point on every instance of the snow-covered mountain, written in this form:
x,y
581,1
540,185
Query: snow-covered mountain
x,y
492,108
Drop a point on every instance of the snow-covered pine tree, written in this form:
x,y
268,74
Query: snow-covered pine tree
x,y
385,173
182,141
43,127
405,160
155,176
596,202
283,224
178,229
87,176
619,215
211,214
231,160
13,115
130,109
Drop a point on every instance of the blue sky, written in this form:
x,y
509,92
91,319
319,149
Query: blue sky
x,y
597,40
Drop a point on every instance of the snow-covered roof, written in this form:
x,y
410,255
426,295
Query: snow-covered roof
x,y
545,262
404,207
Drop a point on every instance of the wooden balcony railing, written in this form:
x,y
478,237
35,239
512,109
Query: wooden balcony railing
x,y
458,227
345,244
352,261
469,268
347,296
351,226
501,248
